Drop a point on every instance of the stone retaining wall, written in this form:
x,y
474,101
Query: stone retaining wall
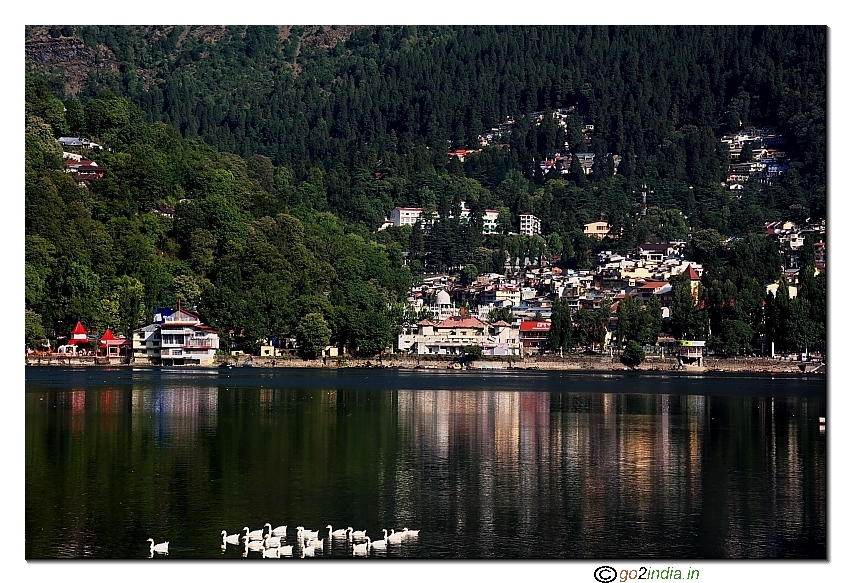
x,y
570,362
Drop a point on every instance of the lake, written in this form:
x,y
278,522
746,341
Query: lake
x,y
488,464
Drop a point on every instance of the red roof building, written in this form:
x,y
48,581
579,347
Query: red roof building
x,y
461,322
112,346
79,334
533,335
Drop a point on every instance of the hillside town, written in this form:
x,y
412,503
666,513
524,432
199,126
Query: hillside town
x,y
446,316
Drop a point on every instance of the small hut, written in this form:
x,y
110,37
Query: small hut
x,y
691,352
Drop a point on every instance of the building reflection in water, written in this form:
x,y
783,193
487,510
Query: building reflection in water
x,y
595,466
175,412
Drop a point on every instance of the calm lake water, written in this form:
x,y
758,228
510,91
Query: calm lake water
x,y
495,464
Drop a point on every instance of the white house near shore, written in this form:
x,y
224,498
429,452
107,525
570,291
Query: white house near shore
x,y
453,334
175,338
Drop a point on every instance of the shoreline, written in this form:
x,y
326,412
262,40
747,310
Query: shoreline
x,y
542,363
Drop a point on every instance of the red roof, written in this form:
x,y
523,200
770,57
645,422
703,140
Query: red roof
x,y
534,326
79,334
500,323
655,284
109,339
692,274
425,322
461,322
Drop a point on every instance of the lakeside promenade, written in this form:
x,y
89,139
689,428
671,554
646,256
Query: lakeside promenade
x,y
569,362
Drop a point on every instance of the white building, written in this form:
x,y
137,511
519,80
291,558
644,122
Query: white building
x,y
490,218
529,225
176,338
401,216
452,335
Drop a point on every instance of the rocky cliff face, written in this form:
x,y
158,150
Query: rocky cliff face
x,y
68,56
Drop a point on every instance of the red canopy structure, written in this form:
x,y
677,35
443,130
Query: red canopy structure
x,y
79,334
112,346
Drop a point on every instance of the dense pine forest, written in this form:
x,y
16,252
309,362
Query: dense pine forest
x,y
283,149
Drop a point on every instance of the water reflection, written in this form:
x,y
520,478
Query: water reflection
x,y
632,466
180,412
504,473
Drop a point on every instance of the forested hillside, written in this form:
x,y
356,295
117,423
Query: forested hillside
x,y
283,149
96,253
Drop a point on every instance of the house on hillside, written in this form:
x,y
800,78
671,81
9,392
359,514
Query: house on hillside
x,y
529,225
598,229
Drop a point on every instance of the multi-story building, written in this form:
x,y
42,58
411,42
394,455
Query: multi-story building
x,y
453,334
529,225
175,338
401,216
490,219
534,335
598,229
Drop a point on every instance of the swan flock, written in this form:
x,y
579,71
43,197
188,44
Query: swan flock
x,y
271,542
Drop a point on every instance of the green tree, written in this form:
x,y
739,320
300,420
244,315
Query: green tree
x,y
312,334
687,321
34,333
734,337
589,329
633,354
561,333
629,319
497,314
651,321
472,352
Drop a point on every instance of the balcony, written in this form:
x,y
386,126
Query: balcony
x,y
172,342
198,344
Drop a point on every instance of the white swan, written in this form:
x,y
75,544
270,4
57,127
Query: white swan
x,y
363,548
381,545
271,541
338,533
308,551
317,544
356,534
395,537
279,531
302,533
271,553
254,534
286,551
408,534
254,545
160,548
233,539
